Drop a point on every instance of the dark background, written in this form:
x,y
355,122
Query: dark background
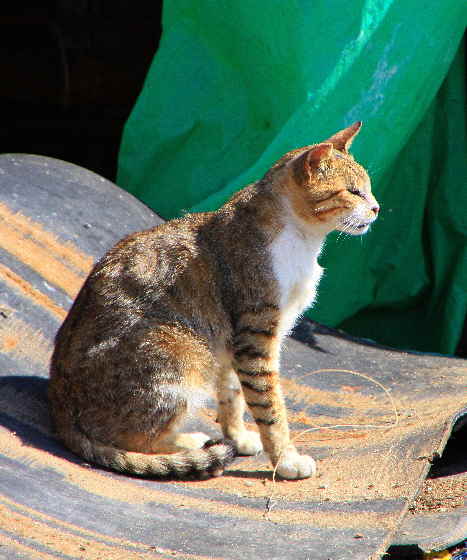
x,y
71,71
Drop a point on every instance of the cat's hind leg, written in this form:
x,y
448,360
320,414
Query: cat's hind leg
x,y
173,386
186,401
167,438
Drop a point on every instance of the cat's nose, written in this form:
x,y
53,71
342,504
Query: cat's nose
x,y
375,209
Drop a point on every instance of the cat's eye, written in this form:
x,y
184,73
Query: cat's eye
x,y
357,192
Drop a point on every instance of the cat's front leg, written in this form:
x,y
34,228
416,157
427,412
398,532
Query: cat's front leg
x,y
256,360
231,410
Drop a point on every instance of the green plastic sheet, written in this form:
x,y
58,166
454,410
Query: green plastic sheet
x,y
234,85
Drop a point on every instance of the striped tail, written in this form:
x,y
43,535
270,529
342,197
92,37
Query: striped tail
x,y
192,464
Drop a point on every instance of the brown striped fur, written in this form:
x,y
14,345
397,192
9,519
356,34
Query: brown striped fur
x,y
194,306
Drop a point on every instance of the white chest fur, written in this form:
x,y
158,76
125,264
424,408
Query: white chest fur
x,y
295,265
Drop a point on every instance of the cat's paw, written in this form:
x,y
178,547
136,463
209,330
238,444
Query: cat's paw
x,y
248,443
192,440
293,466
198,439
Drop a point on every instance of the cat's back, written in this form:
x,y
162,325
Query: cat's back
x,y
198,270
149,276
161,252
150,265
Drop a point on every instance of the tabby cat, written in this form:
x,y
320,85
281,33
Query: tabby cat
x,y
201,304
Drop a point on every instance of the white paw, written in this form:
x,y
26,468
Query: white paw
x,y
248,443
293,466
195,440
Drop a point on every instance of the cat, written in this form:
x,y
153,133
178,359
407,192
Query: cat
x,y
202,303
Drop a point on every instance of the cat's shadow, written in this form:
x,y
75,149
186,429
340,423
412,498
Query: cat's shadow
x,y
24,413
305,331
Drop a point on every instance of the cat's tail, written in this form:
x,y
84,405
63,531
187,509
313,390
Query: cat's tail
x,y
206,462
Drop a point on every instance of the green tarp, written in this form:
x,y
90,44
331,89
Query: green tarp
x,y
234,85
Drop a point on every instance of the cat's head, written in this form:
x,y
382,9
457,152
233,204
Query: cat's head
x,y
327,188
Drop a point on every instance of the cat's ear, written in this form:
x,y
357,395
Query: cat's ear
x,y
309,160
344,138
318,153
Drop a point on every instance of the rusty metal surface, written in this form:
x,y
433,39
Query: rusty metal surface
x,y
373,424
